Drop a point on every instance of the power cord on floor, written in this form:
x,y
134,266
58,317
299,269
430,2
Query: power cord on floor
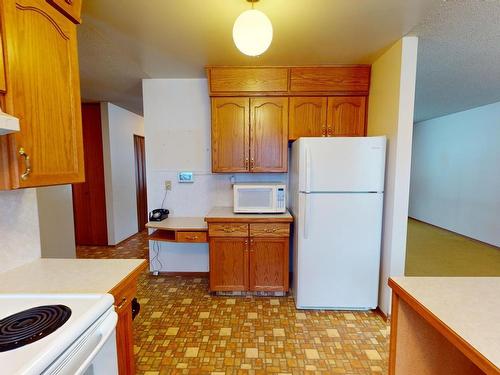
x,y
156,258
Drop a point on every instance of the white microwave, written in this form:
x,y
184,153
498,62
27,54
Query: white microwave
x,y
259,198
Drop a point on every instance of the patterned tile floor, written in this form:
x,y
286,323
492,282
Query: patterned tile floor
x,y
182,329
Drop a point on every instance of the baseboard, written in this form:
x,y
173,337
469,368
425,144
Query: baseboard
x,y
184,274
381,313
458,234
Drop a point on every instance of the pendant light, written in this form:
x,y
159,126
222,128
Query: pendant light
x,y
252,31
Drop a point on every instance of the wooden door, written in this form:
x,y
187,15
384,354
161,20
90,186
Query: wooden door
x,y
346,116
140,182
44,92
269,264
307,117
228,264
89,198
269,134
230,135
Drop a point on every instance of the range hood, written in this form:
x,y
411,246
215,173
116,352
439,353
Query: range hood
x,y
8,123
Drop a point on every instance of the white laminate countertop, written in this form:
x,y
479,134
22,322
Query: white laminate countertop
x,y
68,275
179,223
226,213
469,306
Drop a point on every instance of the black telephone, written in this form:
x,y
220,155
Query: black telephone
x,y
158,214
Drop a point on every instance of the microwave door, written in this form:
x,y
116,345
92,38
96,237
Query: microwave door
x,y
254,200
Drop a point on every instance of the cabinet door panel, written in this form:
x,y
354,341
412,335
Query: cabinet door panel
x,y
307,117
346,116
228,264
230,135
269,134
269,264
44,92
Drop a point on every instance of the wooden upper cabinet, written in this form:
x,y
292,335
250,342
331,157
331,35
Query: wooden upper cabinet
x,y
307,117
228,264
346,116
43,91
341,79
230,135
269,134
243,81
70,8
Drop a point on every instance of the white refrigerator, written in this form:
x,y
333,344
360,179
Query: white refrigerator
x,y
336,197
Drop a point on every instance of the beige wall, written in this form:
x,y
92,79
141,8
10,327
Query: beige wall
x,y
390,113
55,214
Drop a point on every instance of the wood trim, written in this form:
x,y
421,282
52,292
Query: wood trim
x,y
379,312
470,352
393,337
249,220
289,66
185,274
287,94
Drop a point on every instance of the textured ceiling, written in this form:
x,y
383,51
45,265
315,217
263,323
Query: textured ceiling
x,y
458,57
122,42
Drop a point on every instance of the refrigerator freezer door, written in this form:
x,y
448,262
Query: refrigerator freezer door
x,y
341,164
337,250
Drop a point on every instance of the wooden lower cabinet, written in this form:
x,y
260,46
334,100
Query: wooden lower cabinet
x,y
124,293
256,262
228,264
268,264
124,340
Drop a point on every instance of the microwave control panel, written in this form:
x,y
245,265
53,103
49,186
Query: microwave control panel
x,y
281,198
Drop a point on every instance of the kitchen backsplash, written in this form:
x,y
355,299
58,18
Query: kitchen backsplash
x,y
19,229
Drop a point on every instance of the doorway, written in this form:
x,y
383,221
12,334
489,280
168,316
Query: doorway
x,y
140,182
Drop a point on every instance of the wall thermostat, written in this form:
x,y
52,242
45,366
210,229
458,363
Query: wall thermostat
x,y
185,177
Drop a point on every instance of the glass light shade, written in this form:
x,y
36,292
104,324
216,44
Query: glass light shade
x,y
252,32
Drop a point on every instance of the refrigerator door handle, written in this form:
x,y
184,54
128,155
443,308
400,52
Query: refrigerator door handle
x,y
308,170
306,216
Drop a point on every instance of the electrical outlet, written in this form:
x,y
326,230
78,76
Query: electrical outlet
x,y
168,185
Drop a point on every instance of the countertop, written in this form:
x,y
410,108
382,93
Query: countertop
x,y
226,214
69,275
179,223
468,306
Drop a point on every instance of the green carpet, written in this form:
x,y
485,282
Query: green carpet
x,y
432,251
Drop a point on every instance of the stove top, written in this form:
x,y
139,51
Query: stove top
x,y
62,319
31,325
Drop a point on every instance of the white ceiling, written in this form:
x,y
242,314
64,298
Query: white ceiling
x,y
122,42
458,58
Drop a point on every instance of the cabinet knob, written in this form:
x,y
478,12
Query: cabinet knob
x,y
252,163
271,230
323,131
246,163
27,163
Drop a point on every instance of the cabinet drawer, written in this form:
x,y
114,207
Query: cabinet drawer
x,y
247,80
70,8
191,236
270,230
228,230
